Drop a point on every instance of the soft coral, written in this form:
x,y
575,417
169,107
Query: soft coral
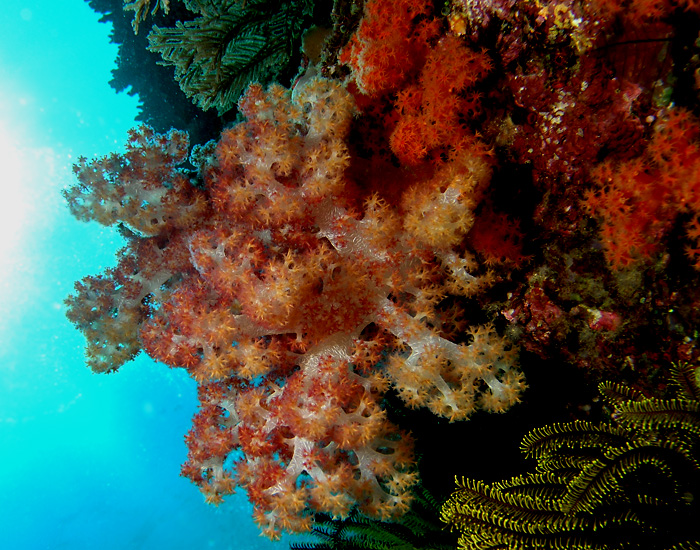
x,y
639,200
390,44
431,109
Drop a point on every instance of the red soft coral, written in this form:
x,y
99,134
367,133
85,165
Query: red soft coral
x,y
639,200
430,111
390,44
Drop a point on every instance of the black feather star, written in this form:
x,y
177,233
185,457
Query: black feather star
x,y
418,529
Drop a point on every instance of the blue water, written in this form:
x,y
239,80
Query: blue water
x,y
87,461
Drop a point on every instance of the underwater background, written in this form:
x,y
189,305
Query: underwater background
x,y
87,461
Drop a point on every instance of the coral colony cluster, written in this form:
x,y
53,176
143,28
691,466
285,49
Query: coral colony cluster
x,y
452,187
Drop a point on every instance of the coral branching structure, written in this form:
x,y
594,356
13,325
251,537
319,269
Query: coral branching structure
x,y
294,300
627,483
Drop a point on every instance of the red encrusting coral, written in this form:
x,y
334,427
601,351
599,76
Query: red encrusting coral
x,y
571,118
